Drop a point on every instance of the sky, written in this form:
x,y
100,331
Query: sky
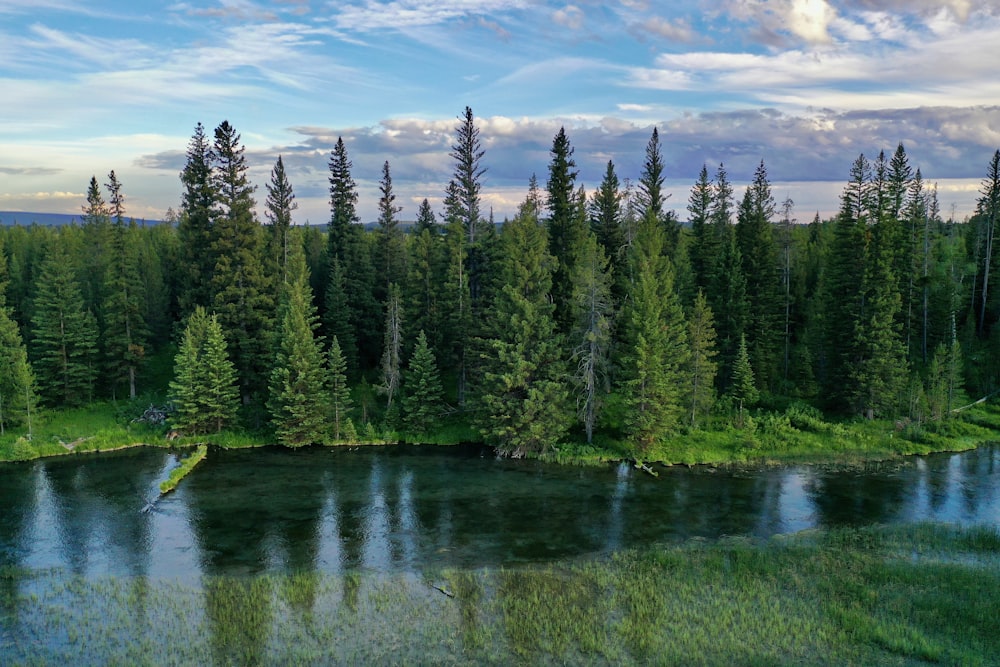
x,y
804,85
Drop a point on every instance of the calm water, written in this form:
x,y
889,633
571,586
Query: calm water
x,y
403,509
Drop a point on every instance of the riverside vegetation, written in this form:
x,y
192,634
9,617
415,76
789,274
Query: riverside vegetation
x,y
585,327
887,596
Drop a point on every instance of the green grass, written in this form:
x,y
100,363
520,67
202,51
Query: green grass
x,y
798,434
181,471
887,596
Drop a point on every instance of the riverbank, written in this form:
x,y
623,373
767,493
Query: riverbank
x,y
796,435
903,595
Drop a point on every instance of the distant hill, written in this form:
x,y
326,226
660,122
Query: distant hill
x,y
11,218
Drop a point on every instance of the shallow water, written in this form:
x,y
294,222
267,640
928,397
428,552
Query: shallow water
x,y
407,509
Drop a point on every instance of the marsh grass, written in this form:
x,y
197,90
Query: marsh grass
x,y
181,471
850,596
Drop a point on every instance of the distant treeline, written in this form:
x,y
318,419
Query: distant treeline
x,y
585,313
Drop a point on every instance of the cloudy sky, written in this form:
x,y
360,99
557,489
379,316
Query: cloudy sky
x,y
805,85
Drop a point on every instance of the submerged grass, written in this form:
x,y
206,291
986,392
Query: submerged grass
x,y
887,596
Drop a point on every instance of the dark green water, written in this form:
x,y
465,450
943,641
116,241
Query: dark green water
x,y
407,509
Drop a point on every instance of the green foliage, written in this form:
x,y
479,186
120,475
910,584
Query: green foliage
x,y
340,395
298,402
204,387
181,471
524,396
64,344
743,388
655,344
17,382
422,395
701,364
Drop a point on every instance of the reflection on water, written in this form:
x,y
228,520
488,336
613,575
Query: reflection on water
x,y
407,509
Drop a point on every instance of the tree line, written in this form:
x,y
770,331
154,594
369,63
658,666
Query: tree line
x,y
584,314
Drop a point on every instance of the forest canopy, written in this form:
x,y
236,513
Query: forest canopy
x,y
586,315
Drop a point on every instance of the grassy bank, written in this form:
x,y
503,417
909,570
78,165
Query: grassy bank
x,y
181,471
887,596
796,434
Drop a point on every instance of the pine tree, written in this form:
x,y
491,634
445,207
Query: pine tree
x,y
564,228
426,275
743,388
706,245
337,322
457,305
425,219
243,296
606,217
347,243
651,197
64,344
701,364
466,182
392,346
655,343
195,227
298,403
524,399
340,394
97,240
391,250
17,382
125,334
204,389
760,268
593,308
422,397
278,209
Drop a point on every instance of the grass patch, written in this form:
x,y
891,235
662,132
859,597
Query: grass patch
x,y
848,596
181,471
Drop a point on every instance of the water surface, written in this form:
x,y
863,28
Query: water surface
x,y
405,509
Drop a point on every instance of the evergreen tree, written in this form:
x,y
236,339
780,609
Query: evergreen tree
x,y
422,397
457,305
841,289
593,307
298,403
988,211
466,182
17,382
426,275
701,364
204,388
655,340
391,250
195,228
743,388
278,209
340,393
878,371
392,347
651,197
65,335
524,399
338,316
564,228
607,222
760,268
730,297
706,244
125,334
425,219
97,240
243,296
347,243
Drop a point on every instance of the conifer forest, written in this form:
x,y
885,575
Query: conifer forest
x,y
586,318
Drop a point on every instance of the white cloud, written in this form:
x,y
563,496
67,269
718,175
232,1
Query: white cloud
x,y
371,15
570,16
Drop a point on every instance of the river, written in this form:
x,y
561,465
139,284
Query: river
x,y
407,508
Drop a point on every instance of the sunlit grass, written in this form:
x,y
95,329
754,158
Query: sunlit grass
x,y
181,471
886,596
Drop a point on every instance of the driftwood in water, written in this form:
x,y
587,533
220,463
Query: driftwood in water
x,y
443,590
642,466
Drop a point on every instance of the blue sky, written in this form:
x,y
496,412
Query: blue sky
x,y
805,85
